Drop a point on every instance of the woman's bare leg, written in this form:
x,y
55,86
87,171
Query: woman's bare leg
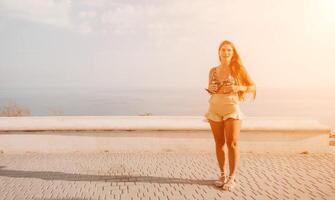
x,y
232,130
218,132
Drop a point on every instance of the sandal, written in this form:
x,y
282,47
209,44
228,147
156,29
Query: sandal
x,y
230,184
221,181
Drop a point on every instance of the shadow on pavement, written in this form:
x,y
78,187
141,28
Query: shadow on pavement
x,y
49,175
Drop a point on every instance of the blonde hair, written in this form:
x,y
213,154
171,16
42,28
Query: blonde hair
x,y
238,71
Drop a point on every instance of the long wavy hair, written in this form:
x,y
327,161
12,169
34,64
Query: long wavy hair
x,y
238,71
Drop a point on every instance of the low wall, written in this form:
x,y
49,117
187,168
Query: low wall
x,y
156,133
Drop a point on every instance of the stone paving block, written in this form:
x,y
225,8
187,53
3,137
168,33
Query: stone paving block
x,y
163,175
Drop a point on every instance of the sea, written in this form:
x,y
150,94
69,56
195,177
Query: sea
x,y
103,101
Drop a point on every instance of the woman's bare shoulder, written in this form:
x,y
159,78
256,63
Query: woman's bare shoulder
x,y
212,69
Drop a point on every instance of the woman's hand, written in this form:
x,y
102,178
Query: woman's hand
x,y
213,88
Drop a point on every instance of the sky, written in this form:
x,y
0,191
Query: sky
x,y
159,43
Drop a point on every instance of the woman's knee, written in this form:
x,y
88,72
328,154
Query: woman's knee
x,y
232,144
219,145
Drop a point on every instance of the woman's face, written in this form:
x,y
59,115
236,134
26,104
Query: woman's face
x,y
226,52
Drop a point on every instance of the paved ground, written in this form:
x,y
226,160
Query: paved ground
x,y
164,175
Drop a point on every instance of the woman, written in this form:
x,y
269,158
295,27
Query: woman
x,y
229,83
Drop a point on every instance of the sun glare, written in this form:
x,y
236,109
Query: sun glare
x,y
327,14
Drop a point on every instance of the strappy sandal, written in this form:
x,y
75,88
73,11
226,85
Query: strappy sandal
x,y
221,181
230,183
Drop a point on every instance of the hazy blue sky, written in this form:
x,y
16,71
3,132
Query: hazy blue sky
x,y
159,43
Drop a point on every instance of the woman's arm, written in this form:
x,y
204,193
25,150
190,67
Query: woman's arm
x,y
245,88
210,76
211,89
236,88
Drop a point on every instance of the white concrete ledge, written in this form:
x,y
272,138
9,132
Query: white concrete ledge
x,y
179,141
156,133
167,123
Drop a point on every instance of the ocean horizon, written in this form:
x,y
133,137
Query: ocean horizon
x,y
68,101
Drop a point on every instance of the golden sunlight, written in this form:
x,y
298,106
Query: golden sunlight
x,y
327,14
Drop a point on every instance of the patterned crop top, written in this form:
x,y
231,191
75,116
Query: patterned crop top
x,y
230,80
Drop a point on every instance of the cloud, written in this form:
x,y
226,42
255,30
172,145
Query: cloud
x,y
172,18
51,12
87,14
118,16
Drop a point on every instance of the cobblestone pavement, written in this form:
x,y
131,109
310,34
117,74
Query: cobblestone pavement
x,y
163,175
